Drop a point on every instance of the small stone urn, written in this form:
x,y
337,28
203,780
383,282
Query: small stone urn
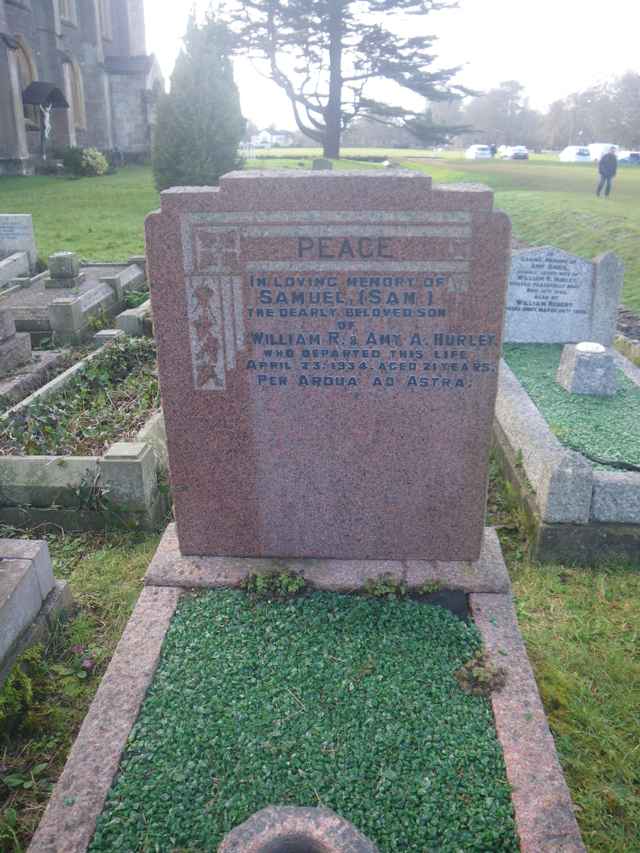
x,y
289,829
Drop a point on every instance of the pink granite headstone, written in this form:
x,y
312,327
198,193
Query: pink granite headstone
x,y
329,346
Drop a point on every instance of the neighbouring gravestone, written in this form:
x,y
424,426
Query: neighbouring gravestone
x,y
556,297
587,368
16,235
328,350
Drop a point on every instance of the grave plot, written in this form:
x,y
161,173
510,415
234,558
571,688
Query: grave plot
x,y
88,445
323,430
69,303
566,421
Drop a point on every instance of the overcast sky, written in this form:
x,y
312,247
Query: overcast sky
x,y
553,47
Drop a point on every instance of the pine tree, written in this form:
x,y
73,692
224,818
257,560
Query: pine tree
x,y
323,53
199,124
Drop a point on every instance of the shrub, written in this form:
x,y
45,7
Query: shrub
x,y
199,125
84,162
93,162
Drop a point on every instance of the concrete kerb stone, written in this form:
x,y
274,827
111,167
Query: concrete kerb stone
x,y
542,804
134,321
128,472
44,481
78,799
170,568
26,579
124,281
57,602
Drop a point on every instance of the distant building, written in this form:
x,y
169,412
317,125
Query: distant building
x,y
272,139
86,58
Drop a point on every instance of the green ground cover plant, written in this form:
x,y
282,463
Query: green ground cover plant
x,y
343,701
110,399
602,428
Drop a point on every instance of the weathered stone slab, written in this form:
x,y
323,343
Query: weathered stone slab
x,y
16,235
556,297
125,280
328,348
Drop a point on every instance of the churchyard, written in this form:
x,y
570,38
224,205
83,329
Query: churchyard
x,y
580,625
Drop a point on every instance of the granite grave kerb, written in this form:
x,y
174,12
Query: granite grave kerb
x,y
328,351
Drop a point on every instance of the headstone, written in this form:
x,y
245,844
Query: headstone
x,y
16,235
556,297
587,368
321,163
328,350
64,270
15,349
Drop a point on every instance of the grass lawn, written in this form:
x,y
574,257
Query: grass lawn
x,y
549,203
100,218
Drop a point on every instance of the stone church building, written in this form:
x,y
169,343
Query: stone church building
x,y
74,72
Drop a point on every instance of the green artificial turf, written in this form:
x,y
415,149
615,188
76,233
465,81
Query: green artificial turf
x,y
346,702
604,427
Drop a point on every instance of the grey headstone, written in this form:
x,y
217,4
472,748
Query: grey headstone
x,y
16,235
587,368
321,163
550,297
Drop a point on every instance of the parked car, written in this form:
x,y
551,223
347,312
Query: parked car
x,y
575,154
629,158
478,152
599,149
515,152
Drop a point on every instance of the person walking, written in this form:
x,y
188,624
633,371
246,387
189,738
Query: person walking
x,y
608,166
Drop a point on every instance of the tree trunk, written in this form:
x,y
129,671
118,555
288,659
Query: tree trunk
x,y
333,110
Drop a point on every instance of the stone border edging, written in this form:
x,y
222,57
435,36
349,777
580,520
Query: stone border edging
x,y
69,821
542,804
